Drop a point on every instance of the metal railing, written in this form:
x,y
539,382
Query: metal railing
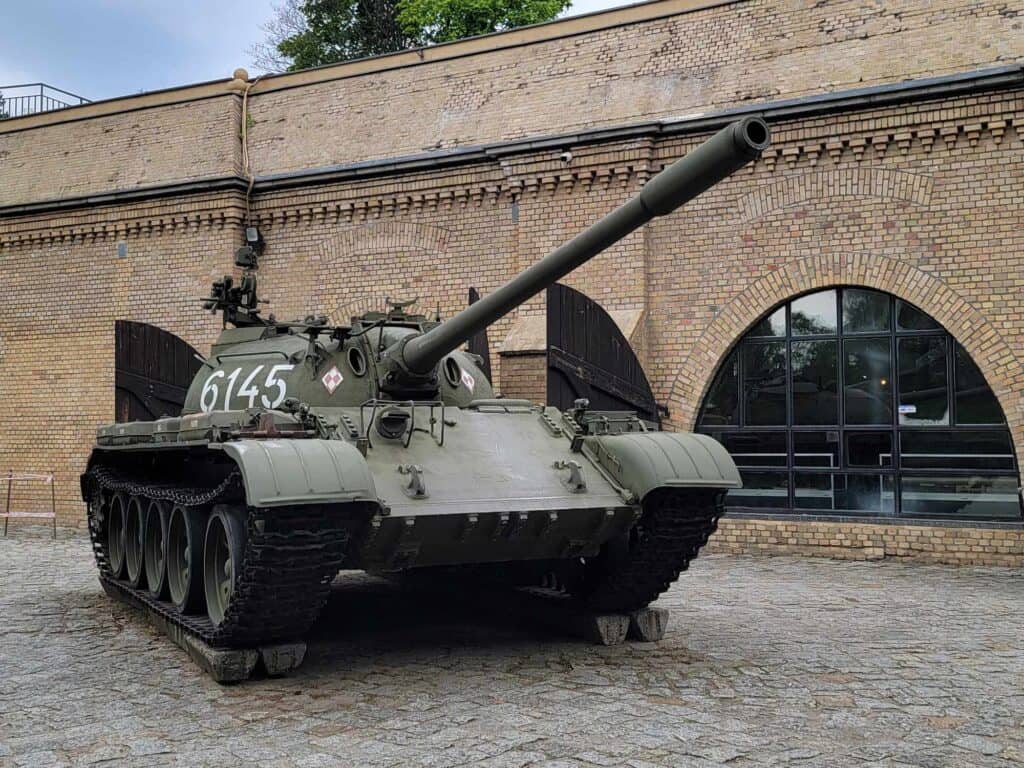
x,y
31,98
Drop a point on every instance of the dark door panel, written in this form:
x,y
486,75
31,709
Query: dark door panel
x,y
153,369
588,356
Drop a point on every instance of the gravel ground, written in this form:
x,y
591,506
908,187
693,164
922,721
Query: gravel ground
x,y
778,661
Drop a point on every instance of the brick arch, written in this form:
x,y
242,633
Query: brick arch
x,y
385,237
340,265
998,363
878,183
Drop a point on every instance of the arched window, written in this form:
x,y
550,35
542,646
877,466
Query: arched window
x,y
851,401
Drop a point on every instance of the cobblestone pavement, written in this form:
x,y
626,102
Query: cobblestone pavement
x,y
766,662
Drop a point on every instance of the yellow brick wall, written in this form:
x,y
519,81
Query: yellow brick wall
x,y
57,317
870,541
921,200
524,377
128,150
665,65
918,200
717,57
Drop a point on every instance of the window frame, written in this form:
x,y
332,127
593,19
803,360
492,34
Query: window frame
x,y
895,470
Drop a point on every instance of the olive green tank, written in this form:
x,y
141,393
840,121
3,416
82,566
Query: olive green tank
x,y
305,448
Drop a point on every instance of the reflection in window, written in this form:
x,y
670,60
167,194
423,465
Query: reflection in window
x,y
815,382
816,491
868,375
814,314
865,311
816,449
773,325
825,492
761,489
809,411
910,318
869,449
956,449
923,388
962,496
755,449
722,405
975,402
764,383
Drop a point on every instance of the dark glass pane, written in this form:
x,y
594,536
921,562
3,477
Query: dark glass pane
x,y
869,493
869,449
966,496
865,311
773,325
815,314
813,491
755,449
923,384
761,489
910,318
764,383
722,403
957,449
826,492
975,402
815,382
868,381
816,449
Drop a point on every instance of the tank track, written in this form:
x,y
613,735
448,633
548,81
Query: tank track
x,y
675,524
291,557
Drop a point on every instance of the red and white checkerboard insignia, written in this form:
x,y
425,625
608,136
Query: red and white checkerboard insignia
x,y
468,380
332,380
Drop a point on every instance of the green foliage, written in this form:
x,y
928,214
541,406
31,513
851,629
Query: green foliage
x,y
3,108
340,30
311,33
440,21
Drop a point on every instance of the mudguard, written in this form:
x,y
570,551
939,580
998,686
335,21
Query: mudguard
x,y
280,472
643,461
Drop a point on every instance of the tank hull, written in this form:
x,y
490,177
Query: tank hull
x,y
502,484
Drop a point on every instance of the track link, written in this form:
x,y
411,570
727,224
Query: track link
x,y
292,555
675,524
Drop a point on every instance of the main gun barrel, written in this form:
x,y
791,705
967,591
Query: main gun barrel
x,y
723,154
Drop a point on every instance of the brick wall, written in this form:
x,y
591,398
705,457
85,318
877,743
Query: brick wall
x,y
689,63
61,298
920,199
124,150
525,377
870,541
658,60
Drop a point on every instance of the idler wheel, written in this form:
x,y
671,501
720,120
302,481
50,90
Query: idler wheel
x,y
154,550
134,525
222,559
185,560
115,534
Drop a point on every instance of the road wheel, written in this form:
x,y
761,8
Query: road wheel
x,y
134,525
224,550
185,559
154,550
115,534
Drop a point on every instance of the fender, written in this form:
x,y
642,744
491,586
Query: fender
x,y
281,472
643,461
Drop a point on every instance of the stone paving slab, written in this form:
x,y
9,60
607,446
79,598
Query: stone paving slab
x,y
765,662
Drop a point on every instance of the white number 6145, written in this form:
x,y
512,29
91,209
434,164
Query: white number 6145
x,y
272,385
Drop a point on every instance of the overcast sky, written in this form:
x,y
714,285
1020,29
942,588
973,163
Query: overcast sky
x,y
105,48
